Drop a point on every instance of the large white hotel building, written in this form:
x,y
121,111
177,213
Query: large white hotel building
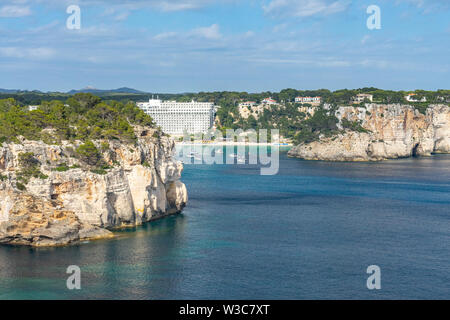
x,y
175,118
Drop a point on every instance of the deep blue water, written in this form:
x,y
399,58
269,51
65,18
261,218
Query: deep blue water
x,y
309,232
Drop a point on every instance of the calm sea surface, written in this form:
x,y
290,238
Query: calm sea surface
x,y
309,232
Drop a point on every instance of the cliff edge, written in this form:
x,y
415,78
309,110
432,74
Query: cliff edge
x,y
383,132
50,196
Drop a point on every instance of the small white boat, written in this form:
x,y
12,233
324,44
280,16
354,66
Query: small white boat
x,y
192,155
219,151
233,155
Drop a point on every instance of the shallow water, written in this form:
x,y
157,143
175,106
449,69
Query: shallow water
x,y
309,232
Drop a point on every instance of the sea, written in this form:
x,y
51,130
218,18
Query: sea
x,y
309,232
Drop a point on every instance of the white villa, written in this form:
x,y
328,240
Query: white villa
x,y
311,100
412,98
247,104
360,97
269,101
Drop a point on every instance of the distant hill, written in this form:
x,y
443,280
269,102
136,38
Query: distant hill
x,y
85,90
13,91
7,91
35,97
106,92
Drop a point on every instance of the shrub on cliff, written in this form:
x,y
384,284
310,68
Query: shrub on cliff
x,y
353,126
88,153
321,123
29,167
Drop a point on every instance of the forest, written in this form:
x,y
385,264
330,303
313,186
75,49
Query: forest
x,y
109,115
81,117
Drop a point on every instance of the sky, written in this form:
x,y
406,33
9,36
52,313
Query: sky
x,y
216,45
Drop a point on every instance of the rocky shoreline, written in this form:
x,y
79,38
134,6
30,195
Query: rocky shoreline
x,y
142,183
388,132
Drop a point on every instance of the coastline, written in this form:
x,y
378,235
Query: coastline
x,y
233,144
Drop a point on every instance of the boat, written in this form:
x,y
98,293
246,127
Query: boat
x,y
192,155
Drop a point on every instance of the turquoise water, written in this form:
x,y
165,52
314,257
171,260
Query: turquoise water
x,y
309,232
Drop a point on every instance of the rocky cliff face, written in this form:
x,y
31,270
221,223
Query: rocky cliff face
x,y
61,207
392,131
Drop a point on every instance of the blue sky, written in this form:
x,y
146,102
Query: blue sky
x,y
207,45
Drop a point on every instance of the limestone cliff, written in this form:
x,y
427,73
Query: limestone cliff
x,y
63,206
390,132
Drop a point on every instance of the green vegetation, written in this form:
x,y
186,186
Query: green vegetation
x,y
82,117
21,186
353,125
36,97
63,167
89,153
99,171
299,126
104,146
320,124
146,164
29,167
421,106
86,117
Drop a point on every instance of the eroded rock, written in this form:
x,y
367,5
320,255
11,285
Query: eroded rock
x,y
78,204
393,131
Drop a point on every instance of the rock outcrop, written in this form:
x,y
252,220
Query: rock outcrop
x,y
65,206
390,132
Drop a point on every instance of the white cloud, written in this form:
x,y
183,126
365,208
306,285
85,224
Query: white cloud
x,y
316,62
122,16
427,6
31,53
305,8
14,11
365,39
179,6
280,27
211,32
162,5
165,35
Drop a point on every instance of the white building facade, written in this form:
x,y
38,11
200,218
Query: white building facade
x,y
247,104
412,97
361,97
175,118
311,100
269,101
